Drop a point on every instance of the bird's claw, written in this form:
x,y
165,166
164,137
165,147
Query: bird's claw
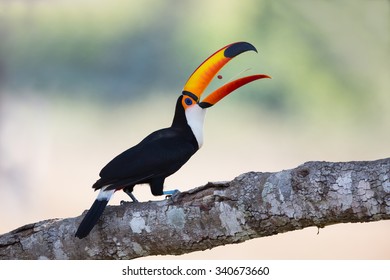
x,y
122,202
131,195
170,194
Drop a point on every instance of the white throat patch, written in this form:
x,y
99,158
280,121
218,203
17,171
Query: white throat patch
x,y
195,119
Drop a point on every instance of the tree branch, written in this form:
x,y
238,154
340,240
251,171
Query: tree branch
x,y
252,205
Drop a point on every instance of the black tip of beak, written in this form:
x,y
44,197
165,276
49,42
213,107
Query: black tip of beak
x,y
204,105
238,48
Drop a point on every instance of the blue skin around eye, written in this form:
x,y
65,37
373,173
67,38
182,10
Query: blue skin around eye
x,y
188,101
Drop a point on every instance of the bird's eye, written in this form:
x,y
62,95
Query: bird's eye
x,y
188,101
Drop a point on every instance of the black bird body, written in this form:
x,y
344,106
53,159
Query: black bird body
x,y
156,157
165,151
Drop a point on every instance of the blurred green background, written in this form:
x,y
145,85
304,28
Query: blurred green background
x,y
80,81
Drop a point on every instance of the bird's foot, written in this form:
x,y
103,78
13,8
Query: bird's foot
x,y
170,194
131,195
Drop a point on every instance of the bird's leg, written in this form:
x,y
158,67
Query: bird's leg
x,y
128,191
170,193
157,188
132,197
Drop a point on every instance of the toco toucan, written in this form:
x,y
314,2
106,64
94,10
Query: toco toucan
x,y
164,151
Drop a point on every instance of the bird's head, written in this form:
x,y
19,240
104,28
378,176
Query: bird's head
x,y
190,101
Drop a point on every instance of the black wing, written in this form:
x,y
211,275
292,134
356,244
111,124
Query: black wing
x,y
159,155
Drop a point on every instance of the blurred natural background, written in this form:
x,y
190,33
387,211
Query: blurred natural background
x,y
81,81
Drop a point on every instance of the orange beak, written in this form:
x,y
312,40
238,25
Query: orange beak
x,y
203,75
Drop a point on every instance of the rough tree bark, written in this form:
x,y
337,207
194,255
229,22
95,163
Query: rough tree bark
x,y
252,205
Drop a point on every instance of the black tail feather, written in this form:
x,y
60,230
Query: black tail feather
x,y
91,218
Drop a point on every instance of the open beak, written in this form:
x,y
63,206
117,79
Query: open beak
x,y
203,75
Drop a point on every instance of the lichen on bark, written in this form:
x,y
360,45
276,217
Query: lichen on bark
x,y
253,205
